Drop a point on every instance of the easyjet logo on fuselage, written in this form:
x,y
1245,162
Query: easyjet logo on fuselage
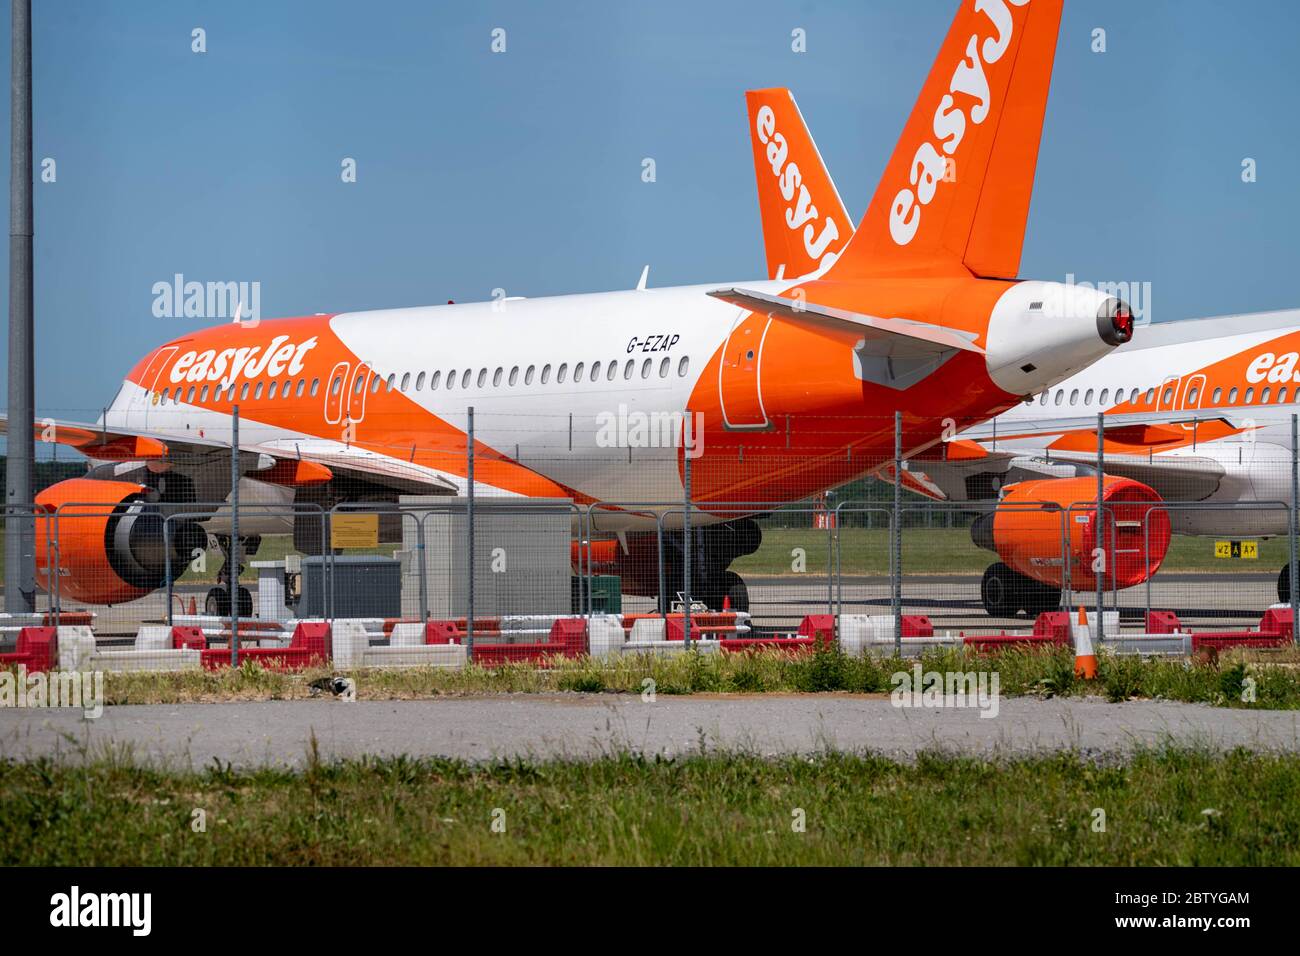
x,y
802,214
929,164
280,357
1274,368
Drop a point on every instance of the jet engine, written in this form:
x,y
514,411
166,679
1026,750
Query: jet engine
x,y
1045,532
106,540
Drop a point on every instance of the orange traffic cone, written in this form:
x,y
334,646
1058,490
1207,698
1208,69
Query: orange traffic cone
x,y
726,602
194,607
1085,660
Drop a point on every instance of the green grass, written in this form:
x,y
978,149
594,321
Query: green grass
x,y
1162,808
950,551
1020,673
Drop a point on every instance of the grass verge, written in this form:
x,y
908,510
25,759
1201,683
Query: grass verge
x,y
1174,807
1273,681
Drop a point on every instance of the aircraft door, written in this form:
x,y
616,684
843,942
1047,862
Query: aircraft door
x,y
740,384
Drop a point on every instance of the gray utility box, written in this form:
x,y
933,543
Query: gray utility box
x,y
521,555
365,585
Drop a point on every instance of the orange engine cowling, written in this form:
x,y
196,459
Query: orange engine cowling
x,y
108,541
1042,527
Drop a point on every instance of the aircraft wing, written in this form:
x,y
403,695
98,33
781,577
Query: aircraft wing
x,y
298,462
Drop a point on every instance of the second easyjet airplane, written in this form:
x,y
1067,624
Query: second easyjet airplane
x,y
795,380
1197,441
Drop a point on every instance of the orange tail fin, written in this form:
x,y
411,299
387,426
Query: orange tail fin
x,y
954,196
805,224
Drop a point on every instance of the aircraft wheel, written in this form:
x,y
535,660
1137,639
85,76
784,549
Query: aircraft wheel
x,y
733,588
1284,584
996,591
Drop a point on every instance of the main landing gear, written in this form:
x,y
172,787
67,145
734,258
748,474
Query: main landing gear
x,y
714,548
217,602
1284,584
1006,593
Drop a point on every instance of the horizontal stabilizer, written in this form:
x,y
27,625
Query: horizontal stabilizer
x,y
895,353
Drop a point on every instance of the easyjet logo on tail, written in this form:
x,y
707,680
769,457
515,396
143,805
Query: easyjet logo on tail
x,y
949,127
801,214
280,357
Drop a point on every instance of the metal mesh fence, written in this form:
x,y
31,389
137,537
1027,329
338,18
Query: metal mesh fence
x,y
507,523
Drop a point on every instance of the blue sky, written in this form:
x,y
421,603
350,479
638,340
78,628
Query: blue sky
x,y
522,170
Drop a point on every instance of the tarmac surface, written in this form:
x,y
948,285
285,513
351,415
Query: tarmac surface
x,y
590,725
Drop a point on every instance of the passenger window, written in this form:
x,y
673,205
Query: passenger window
x,y
561,373
1060,396
577,372
1167,396
514,375
1101,399
1265,395
528,376
270,390
1232,395
433,382
496,377
406,380
189,396
546,374
612,371
1250,395
375,383
595,371
1087,398
451,379
664,366
628,369
419,382
683,365
243,392
1281,395
464,378
1218,395
392,380
257,392
482,377
203,395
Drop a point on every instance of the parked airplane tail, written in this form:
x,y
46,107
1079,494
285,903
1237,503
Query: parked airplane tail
x,y
805,224
954,196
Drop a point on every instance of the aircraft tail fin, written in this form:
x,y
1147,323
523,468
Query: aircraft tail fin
x,y
955,194
805,224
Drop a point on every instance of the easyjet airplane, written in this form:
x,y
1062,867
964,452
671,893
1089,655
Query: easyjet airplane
x,y
794,380
1198,416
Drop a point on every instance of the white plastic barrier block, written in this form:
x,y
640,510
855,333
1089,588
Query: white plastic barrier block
x,y
605,635
153,637
425,655
647,629
185,659
1109,623
1163,645
350,641
407,634
76,648
669,647
861,634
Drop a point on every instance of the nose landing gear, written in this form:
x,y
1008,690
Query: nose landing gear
x,y
217,601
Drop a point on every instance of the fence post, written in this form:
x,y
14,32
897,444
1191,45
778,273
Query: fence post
x,y
896,545
469,529
1100,546
420,551
686,532
1295,497
232,576
167,569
